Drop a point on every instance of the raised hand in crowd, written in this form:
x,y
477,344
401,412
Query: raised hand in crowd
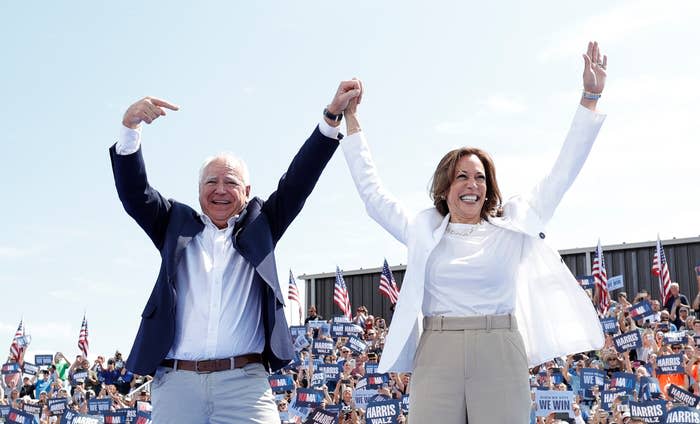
x,y
146,110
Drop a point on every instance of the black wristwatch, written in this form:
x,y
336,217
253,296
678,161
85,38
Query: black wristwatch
x,y
332,116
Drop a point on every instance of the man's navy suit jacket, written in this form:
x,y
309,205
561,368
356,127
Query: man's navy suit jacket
x,y
172,225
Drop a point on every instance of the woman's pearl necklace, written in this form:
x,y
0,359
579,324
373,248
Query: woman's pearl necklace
x,y
463,233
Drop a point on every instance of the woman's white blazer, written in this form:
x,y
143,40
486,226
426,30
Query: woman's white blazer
x,y
555,316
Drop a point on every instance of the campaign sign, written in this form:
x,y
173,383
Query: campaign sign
x,y
145,406
318,379
608,396
143,417
29,368
323,347
114,417
31,408
623,380
371,367
301,342
10,368
675,337
4,410
383,412
549,401
653,411
79,377
57,406
610,325
315,324
592,377
683,415
331,371
356,345
341,319
405,403
297,330
322,416
345,329
556,376
628,341
679,395
130,414
373,381
15,416
670,364
616,282
309,398
324,330
43,359
363,396
281,382
98,406
641,310
587,282
649,388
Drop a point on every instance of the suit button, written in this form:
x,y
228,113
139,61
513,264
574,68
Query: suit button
x,y
542,235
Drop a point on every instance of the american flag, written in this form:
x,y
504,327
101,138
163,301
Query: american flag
x,y
16,348
660,268
600,277
387,284
83,338
340,294
293,292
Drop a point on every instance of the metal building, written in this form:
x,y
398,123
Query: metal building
x,y
632,260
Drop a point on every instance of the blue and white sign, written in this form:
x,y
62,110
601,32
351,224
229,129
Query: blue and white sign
x,y
330,371
592,377
372,381
587,282
297,330
43,359
10,368
641,310
363,396
318,379
628,341
610,325
57,406
301,343
653,411
79,377
607,397
322,416
114,417
130,414
623,380
98,406
649,388
679,395
405,403
29,368
383,412
683,415
309,398
4,410
616,282
371,367
670,364
356,345
345,330
280,383
15,416
315,324
675,337
323,347
549,401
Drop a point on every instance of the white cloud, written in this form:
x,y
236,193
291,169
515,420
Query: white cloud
x,y
7,252
620,22
493,107
505,104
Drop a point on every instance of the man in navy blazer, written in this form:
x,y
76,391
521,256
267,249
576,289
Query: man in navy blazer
x,y
214,324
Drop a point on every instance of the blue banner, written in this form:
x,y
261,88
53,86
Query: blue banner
x,y
130,414
280,383
383,412
592,377
4,410
79,377
32,408
297,330
15,416
321,416
653,411
315,323
550,401
405,403
371,367
679,395
308,398
649,388
331,371
114,417
98,406
29,368
683,415
616,282
587,282
324,330
356,345
43,359
57,406
345,330
623,380
301,343
372,381
675,337
641,310
670,364
610,325
608,396
628,341
323,347
318,379
10,368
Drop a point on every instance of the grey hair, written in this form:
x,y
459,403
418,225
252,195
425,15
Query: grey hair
x,y
230,159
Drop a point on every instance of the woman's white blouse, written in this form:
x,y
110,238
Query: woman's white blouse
x,y
473,274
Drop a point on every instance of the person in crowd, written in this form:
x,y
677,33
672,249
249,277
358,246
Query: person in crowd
x,y
312,315
42,383
28,387
475,264
674,302
239,332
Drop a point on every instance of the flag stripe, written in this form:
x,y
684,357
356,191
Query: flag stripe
x,y
340,294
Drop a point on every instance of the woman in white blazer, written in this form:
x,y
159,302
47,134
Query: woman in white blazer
x,y
483,297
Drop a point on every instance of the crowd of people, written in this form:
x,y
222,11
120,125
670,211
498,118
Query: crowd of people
x,y
335,371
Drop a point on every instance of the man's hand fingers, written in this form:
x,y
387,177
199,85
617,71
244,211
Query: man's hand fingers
x,y
163,103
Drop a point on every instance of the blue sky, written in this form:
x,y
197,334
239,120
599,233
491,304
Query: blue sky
x,y
253,77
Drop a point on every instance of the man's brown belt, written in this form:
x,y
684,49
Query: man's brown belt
x,y
213,365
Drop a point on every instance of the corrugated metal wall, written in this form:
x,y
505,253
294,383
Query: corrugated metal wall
x,y
631,260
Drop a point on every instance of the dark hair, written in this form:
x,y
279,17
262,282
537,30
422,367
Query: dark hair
x,y
444,175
